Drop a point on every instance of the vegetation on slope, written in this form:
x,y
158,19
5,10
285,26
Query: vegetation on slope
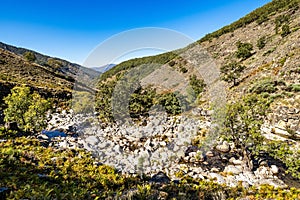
x,y
30,170
260,15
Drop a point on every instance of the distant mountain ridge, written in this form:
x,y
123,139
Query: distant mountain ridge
x,y
104,68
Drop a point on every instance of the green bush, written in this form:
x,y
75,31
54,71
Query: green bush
x,y
231,72
244,50
141,101
280,20
265,86
260,15
29,56
198,85
285,30
263,18
174,103
294,88
288,156
261,42
183,70
56,64
83,102
26,108
103,100
269,51
243,122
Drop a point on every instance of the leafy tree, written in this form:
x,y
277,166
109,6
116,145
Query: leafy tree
x,y
141,101
26,108
261,42
231,72
174,103
243,122
104,100
29,56
244,50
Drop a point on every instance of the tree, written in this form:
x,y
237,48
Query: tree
x,y
174,103
26,108
231,72
29,56
141,101
244,50
243,122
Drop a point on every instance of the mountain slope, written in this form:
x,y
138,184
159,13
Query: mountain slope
x,y
56,64
51,77
258,55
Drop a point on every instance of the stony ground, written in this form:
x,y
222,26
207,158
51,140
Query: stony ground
x,y
163,145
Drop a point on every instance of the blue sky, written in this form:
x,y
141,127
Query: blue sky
x,y
72,29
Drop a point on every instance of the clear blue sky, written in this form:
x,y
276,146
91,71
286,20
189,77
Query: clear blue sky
x,y
72,29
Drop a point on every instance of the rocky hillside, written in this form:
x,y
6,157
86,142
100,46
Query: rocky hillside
x,y
59,65
218,119
52,77
270,63
272,66
252,64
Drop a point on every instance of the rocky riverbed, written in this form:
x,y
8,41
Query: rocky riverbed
x,y
161,144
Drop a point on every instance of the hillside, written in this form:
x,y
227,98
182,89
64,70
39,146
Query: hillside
x,y
56,64
273,54
52,77
252,64
218,119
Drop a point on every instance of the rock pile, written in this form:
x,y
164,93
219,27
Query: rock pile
x,y
160,148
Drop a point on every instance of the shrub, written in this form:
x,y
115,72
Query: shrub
x,y
104,100
231,72
197,84
56,64
243,122
261,42
294,88
265,86
244,50
262,19
290,157
280,20
141,101
183,70
26,108
261,14
29,56
174,103
285,30
83,102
